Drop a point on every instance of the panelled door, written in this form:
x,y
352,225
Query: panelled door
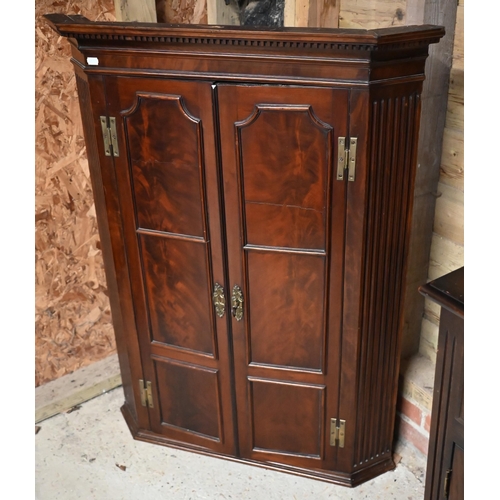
x,y
285,217
168,188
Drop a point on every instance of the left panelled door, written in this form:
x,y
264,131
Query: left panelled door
x,y
168,186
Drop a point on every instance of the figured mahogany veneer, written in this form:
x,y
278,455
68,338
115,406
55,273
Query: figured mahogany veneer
x,y
227,173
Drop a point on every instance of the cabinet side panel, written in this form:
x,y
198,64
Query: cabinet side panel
x,y
447,425
389,191
110,234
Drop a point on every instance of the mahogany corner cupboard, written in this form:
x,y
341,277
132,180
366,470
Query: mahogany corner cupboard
x,y
253,190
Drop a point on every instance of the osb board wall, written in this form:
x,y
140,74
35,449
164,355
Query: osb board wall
x,y
72,321
447,249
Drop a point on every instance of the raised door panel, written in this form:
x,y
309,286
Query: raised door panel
x,y
285,232
165,148
169,197
456,486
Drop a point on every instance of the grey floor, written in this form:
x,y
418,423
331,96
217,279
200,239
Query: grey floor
x,y
90,454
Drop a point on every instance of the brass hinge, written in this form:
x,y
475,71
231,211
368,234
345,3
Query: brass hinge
x,y
337,432
146,393
447,483
346,158
109,136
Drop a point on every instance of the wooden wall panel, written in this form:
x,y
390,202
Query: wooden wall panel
x,y
434,106
312,13
384,13
368,14
458,50
447,248
433,311
452,159
323,13
449,218
447,241
429,339
446,256
455,112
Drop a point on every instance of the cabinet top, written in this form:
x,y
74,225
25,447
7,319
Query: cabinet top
x,y
343,57
81,28
447,291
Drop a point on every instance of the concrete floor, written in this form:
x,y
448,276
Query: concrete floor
x,y
90,454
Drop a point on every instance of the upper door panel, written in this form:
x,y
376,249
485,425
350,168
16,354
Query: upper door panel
x,y
165,148
285,177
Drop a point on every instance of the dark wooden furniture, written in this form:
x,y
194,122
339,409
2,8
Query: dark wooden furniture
x,y
445,465
253,189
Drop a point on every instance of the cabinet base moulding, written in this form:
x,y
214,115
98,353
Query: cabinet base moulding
x,y
349,480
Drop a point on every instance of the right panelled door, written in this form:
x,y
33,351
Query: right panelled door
x,y
285,224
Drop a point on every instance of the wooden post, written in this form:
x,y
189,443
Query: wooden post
x,y
434,104
324,13
136,10
312,13
289,15
301,13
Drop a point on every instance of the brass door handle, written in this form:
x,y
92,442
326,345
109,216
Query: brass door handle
x,y
219,300
237,303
